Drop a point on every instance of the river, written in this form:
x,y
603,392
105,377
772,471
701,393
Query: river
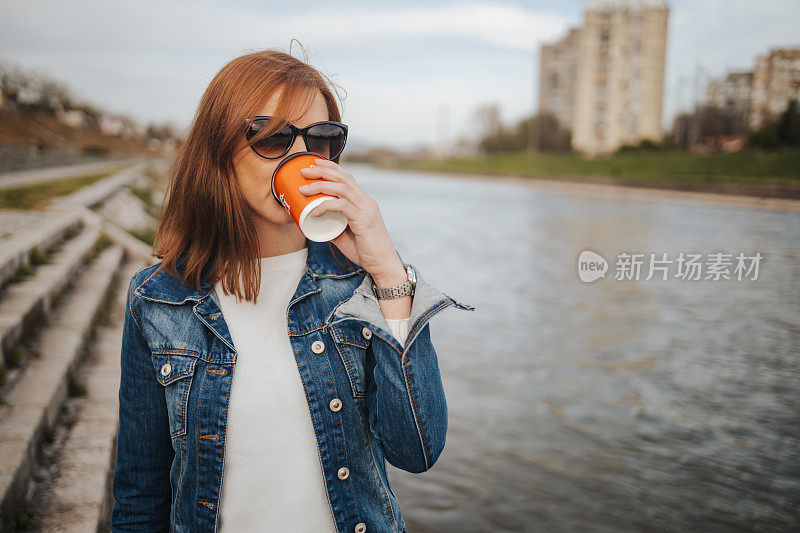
x,y
635,405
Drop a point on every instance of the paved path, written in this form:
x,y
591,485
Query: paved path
x,y
39,175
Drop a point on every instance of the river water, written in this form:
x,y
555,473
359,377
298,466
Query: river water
x,y
616,405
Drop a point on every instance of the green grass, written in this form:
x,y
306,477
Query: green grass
x,y
147,236
33,196
757,171
23,272
14,357
145,194
26,270
38,257
102,242
23,520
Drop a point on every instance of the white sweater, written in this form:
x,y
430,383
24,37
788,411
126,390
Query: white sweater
x,y
272,473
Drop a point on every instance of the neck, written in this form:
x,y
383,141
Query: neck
x,y
278,239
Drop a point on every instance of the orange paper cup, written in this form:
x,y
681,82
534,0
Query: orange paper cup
x,y
286,182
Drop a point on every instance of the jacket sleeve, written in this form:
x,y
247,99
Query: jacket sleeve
x,y
144,453
405,396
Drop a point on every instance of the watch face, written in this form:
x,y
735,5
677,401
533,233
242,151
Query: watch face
x,y
412,276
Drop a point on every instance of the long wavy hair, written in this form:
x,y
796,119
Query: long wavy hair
x,y
205,217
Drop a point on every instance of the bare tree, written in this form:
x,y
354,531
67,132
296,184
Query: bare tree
x,y
38,88
488,121
54,94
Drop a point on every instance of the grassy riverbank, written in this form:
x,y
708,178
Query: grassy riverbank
x,y
37,195
770,173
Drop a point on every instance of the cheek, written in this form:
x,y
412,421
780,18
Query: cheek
x,y
254,175
257,194
254,179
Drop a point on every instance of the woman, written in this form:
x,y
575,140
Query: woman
x,y
253,351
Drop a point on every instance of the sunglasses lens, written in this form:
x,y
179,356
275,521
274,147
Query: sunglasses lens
x,y
327,140
273,146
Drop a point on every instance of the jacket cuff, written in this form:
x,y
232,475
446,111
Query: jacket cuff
x,y
426,302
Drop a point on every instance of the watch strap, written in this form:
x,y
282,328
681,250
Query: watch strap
x,y
398,291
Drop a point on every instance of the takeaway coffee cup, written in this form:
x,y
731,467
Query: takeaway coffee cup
x,y
285,184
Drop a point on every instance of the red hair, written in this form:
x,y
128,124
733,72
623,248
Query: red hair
x,y
205,215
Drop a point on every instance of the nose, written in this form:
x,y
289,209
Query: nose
x,y
299,145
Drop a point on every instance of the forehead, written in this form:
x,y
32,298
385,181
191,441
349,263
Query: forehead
x,y
316,112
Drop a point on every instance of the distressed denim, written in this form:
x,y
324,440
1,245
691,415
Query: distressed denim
x,y
177,363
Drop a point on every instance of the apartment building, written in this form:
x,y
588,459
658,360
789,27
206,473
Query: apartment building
x,y
559,66
776,80
732,95
615,94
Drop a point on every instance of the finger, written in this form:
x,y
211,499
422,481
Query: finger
x,y
323,172
358,195
339,189
326,163
343,175
340,204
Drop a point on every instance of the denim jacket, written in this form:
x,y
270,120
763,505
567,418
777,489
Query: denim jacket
x,y
177,362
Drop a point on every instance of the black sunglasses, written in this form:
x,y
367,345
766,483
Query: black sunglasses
x,y
326,138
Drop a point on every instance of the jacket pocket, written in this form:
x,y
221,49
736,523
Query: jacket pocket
x,y
350,337
175,370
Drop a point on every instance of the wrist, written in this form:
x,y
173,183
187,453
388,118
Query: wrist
x,y
392,275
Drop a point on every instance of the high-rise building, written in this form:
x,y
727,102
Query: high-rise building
x,y
776,80
558,67
732,95
616,93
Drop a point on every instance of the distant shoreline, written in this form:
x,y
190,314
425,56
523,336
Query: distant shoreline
x,y
591,188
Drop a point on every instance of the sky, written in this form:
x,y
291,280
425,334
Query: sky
x,y
409,73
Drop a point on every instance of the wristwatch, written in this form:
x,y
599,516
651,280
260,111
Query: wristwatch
x,y
404,289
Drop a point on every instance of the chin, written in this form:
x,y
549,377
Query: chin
x,y
274,214
281,217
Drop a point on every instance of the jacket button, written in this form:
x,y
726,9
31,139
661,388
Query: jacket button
x,y
335,404
343,472
317,346
166,369
361,527
366,332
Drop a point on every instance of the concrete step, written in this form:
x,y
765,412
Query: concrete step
x,y
96,193
31,407
44,231
73,486
25,303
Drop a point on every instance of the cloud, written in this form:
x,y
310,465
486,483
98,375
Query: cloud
x,y
192,27
403,63
153,59
720,36
495,24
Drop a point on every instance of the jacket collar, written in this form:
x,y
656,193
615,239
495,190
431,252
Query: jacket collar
x,y
320,263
